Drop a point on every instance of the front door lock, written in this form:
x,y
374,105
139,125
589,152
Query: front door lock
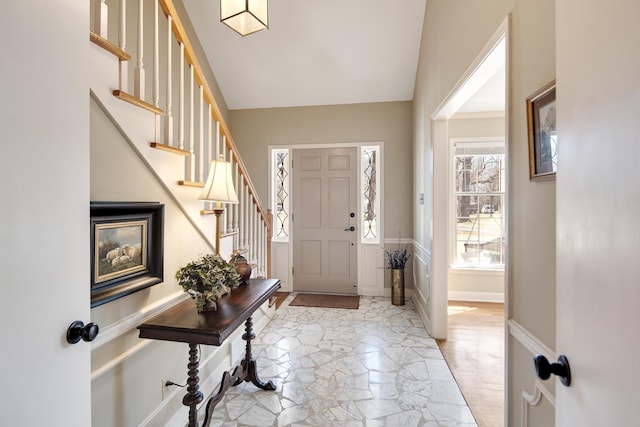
x,y
352,228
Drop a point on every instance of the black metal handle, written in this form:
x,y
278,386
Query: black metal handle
x,y
79,331
544,369
352,228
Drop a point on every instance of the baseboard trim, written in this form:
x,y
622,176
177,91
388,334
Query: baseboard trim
x,y
476,296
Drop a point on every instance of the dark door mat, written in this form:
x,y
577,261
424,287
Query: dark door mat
x,y
326,301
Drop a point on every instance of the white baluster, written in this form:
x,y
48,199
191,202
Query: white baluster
x,y
236,211
181,100
156,67
191,166
156,57
139,77
242,209
101,18
122,43
209,140
168,122
231,208
218,139
247,226
201,137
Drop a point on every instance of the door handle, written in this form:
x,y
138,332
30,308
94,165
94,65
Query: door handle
x,y
79,331
352,228
544,369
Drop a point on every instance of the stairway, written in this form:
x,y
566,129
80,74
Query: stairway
x,y
167,111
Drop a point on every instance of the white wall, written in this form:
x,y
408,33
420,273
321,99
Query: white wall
x,y
44,216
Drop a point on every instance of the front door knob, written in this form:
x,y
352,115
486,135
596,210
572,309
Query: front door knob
x,y
352,228
79,331
544,369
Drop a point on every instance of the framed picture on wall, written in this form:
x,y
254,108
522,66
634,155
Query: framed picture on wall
x,y
543,138
126,248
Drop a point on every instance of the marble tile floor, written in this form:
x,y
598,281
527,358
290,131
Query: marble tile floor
x,y
371,367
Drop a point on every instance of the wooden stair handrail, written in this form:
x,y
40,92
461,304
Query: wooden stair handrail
x,y
181,35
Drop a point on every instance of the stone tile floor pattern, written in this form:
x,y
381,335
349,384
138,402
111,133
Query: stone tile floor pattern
x,y
371,367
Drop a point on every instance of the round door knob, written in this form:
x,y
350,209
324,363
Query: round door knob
x,y
544,369
79,331
352,228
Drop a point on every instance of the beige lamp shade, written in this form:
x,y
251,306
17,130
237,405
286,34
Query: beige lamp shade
x,y
219,185
244,16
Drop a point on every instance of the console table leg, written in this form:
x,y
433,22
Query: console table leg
x,y
193,396
249,367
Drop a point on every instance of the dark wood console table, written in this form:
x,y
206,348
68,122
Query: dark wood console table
x,y
183,323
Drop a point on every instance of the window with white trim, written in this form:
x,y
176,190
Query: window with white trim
x,y
479,187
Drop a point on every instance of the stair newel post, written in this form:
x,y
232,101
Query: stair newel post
x,y
168,119
139,75
181,99
201,136
122,43
101,18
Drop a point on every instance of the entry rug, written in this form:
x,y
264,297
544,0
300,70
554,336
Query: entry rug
x,y
326,301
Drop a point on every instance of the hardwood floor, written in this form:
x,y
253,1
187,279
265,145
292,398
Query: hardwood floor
x,y
474,352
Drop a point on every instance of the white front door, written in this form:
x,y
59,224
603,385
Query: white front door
x,y
325,220
598,205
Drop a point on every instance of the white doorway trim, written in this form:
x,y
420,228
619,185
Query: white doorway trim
x,y
492,56
370,256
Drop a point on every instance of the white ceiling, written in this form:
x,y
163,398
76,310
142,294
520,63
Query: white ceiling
x,y
317,52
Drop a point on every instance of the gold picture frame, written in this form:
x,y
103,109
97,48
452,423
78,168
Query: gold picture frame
x,y
543,137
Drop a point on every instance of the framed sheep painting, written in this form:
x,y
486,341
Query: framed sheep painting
x,y
126,248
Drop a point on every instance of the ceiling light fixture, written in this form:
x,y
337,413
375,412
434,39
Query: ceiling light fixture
x,y
244,16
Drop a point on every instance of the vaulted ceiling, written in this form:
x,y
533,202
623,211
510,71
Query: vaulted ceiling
x,y
315,52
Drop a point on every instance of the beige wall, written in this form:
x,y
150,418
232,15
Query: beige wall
x,y
127,393
127,372
390,123
453,36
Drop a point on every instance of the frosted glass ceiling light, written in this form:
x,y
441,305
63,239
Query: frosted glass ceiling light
x,y
244,16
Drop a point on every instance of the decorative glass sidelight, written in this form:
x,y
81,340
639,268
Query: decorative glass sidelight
x,y
370,190
281,197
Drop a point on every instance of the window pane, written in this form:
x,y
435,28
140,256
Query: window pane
x,y
479,187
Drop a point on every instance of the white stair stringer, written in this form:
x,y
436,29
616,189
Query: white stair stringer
x,y
138,127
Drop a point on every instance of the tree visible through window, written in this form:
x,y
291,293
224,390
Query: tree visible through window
x,y
479,196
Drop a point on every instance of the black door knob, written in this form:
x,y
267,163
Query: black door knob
x,y
79,331
544,369
352,228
